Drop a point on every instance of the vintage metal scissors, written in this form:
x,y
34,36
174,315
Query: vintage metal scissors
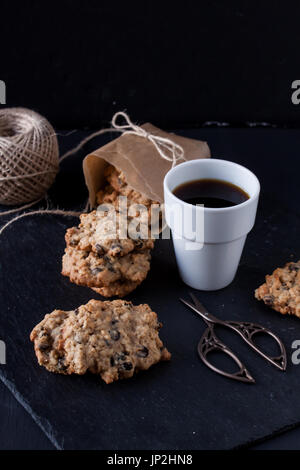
x,y
210,342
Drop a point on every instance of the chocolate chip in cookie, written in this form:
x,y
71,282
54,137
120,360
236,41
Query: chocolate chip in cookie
x,y
281,291
77,340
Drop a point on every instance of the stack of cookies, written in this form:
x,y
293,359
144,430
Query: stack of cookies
x,y
100,253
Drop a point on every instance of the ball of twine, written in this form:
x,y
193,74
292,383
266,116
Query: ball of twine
x,y
29,156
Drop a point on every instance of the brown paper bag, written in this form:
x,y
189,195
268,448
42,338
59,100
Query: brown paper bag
x,y
139,160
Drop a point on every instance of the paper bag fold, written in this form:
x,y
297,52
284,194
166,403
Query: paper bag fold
x,y
139,160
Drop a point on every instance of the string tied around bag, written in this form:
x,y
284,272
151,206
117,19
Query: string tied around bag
x,y
29,162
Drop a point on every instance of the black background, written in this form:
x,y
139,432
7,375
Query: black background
x,y
176,64
179,65
175,405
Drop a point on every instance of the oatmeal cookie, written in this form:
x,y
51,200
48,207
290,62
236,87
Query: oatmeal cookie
x,y
117,181
90,269
117,289
105,233
113,339
135,205
107,195
281,291
130,207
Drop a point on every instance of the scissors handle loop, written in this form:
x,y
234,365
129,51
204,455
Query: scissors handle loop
x,y
247,330
208,343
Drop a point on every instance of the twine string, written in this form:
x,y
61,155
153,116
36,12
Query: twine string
x,y
22,137
167,149
40,212
84,141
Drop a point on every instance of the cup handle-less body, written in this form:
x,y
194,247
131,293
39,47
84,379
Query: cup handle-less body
x,y
210,262
212,267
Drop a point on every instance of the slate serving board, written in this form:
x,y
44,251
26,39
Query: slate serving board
x,y
176,405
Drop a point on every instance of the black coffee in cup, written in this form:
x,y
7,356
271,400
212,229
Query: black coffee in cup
x,y
212,193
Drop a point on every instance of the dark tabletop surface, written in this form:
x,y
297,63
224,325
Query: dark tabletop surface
x,y
271,153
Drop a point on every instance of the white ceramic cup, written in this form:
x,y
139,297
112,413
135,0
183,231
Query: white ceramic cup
x,y
208,253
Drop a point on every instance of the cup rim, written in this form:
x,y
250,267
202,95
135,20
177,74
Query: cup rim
x,y
212,209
